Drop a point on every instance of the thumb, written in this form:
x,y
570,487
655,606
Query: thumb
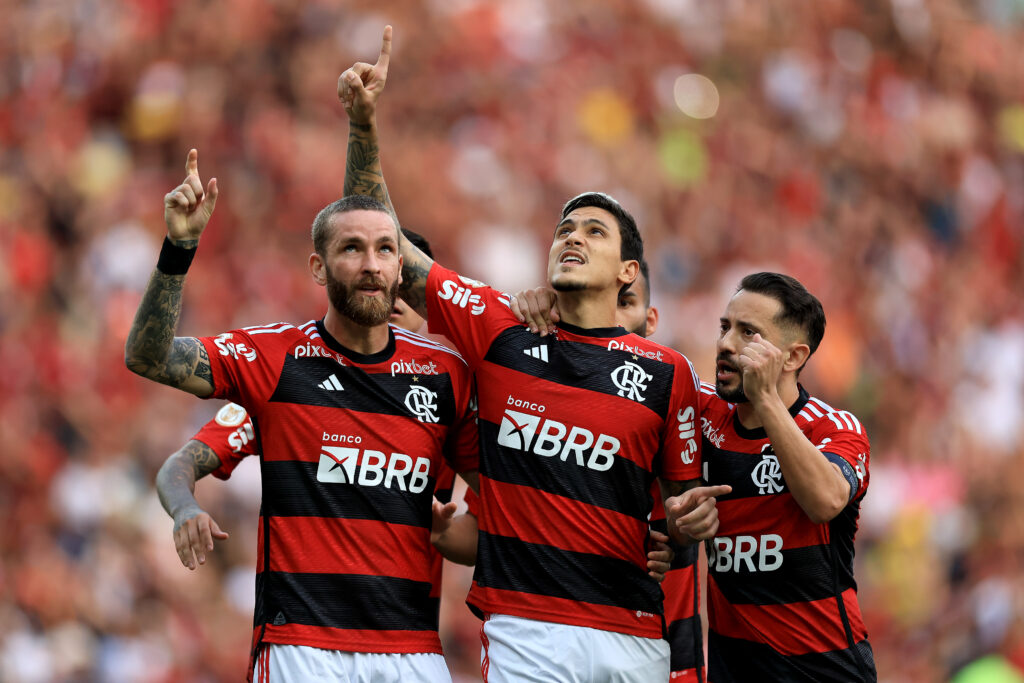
x,y
216,532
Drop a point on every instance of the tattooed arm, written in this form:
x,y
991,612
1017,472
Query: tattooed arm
x,y
194,530
152,350
358,89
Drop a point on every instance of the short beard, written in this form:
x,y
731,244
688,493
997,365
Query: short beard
x,y
562,286
362,310
732,395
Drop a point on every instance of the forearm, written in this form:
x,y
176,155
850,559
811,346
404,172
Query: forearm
x,y
153,351
816,484
458,542
363,174
176,480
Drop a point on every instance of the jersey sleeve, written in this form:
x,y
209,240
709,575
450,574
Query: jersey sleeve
x,y
231,436
681,443
242,371
842,440
467,312
462,447
472,502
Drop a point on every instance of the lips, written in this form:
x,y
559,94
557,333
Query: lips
x,y
571,257
725,369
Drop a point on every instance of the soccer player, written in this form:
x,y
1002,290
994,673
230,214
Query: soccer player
x,y
682,597
573,432
782,600
351,417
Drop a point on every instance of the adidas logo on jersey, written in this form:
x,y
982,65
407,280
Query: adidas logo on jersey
x,y
538,352
331,384
341,465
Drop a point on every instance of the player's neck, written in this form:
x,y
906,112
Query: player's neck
x,y
586,309
789,393
358,338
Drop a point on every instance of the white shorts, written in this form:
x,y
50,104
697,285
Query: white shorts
x,y
300,663
516,649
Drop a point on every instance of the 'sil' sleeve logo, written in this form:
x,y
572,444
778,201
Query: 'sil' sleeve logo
x,y
422,402
631,379
517,430
337,465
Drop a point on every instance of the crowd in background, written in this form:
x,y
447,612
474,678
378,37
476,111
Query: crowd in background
x,y
874,149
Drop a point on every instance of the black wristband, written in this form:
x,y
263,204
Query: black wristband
x,y
174,260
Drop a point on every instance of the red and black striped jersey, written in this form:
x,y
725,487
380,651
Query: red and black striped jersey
x,y
350,449
782,600
573,429
682,603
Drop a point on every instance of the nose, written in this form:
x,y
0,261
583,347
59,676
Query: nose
x,y
574,237
371,264
726,343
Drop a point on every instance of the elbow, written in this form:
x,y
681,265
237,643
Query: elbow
x,y
825,510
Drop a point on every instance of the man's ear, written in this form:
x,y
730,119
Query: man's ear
x,y
652,321
629,271
796,355
401,262
318,269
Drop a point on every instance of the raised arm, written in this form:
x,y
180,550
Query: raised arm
x,y
152,350
194,530
358,89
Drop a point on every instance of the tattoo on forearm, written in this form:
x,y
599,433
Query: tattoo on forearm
x,y
415,269
176,480
204,459
363,174
152,350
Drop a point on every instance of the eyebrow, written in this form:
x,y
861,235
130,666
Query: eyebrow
x,y
744,323
585,221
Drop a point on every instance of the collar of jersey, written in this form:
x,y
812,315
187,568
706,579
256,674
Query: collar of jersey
x,y
759,432
361,358
592,331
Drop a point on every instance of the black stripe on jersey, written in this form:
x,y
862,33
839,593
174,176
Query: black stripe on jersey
x,y
624,487
684,555
301,380
805,574
684,639
510,564
349,601
290,490
732,660
582,366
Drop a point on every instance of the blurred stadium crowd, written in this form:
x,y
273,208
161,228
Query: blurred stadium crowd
x,y
871,148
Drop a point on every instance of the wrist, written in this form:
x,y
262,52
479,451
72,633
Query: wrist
x,y
176,255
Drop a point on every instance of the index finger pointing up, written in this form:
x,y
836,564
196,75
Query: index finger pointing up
x,y
385,48
192,162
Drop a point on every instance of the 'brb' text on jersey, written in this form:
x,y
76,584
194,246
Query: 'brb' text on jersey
x,y
782,601
350,449
573,429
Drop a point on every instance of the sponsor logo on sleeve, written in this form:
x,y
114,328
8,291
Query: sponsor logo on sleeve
x,y
236,350
230,415
688,433
461,297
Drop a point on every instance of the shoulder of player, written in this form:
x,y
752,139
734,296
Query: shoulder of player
x,y
820,416
410,342
464,292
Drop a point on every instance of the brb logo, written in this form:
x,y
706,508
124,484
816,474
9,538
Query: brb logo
x,y
631,379
235,350
729,555
461,297
688,433
544,437
343,465
767,474
422,402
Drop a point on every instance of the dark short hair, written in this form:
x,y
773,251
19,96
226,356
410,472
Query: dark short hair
x,y
419,241
800,308
632,244
353,202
